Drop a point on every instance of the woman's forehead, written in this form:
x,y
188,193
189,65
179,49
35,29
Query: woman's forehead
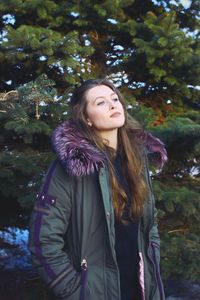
x,y
99,91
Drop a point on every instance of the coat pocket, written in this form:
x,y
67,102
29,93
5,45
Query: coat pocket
x,y
76,288
73,287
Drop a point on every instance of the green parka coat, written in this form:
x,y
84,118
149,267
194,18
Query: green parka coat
x,y
72,234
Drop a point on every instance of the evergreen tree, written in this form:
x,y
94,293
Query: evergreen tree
x,y
151,51
38,38
27,118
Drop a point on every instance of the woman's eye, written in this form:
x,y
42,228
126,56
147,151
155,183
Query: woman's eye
x,y
115,99
101,102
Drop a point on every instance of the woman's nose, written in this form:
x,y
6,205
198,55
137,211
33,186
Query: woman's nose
x,y
112,105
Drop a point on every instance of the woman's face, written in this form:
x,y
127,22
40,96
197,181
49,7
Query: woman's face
x,y
104,109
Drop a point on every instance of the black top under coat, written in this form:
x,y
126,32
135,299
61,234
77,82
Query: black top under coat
x,y
126,245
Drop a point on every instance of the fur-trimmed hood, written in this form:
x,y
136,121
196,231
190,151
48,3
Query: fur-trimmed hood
x,y
79,157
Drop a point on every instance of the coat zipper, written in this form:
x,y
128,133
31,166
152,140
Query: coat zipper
x,y
84,273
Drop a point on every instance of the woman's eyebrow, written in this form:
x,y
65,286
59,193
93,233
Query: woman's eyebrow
x,y
114,94
100,97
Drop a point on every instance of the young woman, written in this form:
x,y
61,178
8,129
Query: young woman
x,y
93,234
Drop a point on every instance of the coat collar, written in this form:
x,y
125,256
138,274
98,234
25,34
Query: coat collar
x,y
79,157
76,154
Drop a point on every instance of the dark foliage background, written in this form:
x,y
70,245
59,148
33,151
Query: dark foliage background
x,y
150,49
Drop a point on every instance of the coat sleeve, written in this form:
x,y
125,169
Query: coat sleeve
x,y
154,237
48,224
154,243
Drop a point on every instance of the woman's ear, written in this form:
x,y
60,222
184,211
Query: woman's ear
x,y
89,123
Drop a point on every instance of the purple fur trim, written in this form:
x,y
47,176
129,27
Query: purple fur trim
x,y
75,153
79,157
154,145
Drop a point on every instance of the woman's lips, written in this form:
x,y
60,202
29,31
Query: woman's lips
x,y
116,114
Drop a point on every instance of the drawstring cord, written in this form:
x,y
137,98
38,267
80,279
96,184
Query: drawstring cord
x,y
83,278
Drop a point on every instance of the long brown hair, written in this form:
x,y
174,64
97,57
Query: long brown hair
x,y
130,151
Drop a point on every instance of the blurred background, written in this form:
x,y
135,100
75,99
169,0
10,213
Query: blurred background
x,y
150,50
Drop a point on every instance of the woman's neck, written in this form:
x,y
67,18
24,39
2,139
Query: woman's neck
x,y
110,138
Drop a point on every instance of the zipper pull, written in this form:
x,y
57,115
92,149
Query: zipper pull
x,y
84,264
